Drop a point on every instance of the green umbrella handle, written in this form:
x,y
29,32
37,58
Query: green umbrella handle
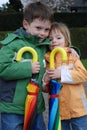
x,y
27,49
54,51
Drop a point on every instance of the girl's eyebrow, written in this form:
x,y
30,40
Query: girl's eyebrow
x,y
58,35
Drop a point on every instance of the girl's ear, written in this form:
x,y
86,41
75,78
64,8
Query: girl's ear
x,y
25,24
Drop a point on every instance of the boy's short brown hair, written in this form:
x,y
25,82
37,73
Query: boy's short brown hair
x,y
37,10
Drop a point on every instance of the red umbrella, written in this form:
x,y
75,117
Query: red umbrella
x,y
32,89
54,122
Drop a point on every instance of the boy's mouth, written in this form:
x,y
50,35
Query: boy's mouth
x,y
41,39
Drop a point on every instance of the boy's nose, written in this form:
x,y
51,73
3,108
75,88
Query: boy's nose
x,y
42,33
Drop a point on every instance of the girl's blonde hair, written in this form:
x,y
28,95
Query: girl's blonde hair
x,y
56,27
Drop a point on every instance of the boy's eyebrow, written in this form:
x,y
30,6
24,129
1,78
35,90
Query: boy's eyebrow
x,y
42,27
48,28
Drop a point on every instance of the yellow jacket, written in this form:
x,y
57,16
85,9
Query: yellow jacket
x,y
72,97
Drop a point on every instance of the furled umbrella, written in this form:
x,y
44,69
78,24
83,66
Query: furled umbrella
x,y
32,89
54,122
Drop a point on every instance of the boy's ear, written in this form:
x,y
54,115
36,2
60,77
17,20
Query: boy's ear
x,y
25,24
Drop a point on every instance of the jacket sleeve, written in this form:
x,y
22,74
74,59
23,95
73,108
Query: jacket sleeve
x,y
74,73
10,69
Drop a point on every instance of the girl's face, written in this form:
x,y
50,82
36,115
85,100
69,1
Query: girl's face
x,y
57,39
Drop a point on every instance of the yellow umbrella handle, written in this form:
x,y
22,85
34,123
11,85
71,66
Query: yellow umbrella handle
x,y
27,49
54,51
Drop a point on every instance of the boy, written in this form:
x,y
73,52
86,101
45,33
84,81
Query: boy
x,y
16,75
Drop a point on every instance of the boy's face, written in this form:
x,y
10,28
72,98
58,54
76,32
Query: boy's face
x,y
38,27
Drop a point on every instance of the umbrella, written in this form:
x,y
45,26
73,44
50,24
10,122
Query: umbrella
x,y
54,122
32,89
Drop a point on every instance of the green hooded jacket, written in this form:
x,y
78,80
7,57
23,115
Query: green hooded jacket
x,y
15,76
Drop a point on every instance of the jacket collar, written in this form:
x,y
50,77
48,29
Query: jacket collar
x,y
22,34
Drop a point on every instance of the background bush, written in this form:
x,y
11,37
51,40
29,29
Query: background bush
x,y
72,19
79,39
11,21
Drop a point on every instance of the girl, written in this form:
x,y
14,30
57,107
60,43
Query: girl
x,y
72,74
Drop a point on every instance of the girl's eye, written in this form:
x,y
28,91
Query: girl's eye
x,y
58,37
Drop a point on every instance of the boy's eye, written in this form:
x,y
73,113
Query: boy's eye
x,y
38,28
47,29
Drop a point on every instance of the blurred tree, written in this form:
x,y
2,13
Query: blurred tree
x,y
6,8
56,5
16,4
12,6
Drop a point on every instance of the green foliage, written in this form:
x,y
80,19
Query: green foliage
x,y
79,39
84,61
2,35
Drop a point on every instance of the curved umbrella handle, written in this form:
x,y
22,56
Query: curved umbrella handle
x,y
27,49
54,51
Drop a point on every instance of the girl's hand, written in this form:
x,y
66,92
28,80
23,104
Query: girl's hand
x,y
54,73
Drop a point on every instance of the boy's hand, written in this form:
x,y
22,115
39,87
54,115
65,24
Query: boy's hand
x,y
74,53
35,67
46,77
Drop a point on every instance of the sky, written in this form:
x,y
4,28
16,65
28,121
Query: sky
x,y
3,2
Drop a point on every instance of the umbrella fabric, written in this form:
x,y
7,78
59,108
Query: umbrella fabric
x,y
31,105
32,90
54,116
